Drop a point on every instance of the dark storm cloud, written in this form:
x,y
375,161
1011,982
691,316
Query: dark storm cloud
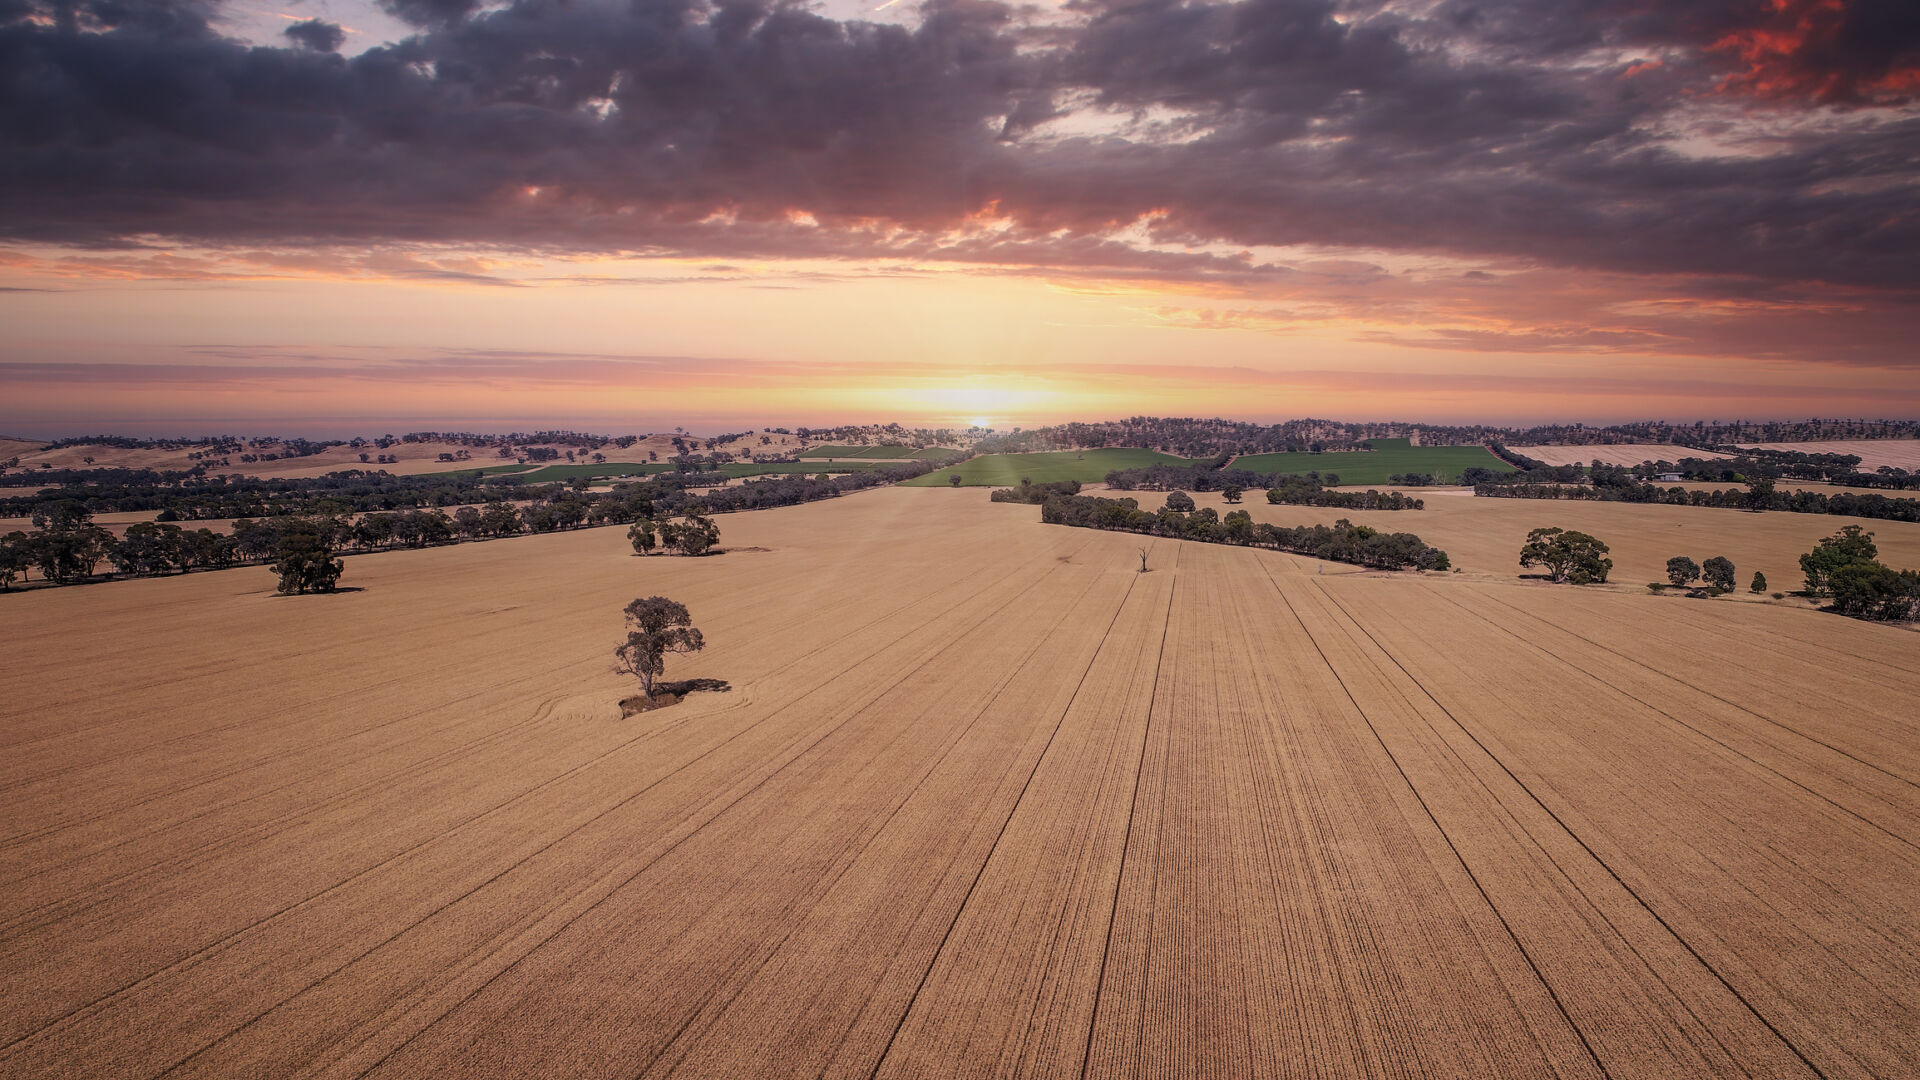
x,y
430,12
317,35
1527,130
1849,52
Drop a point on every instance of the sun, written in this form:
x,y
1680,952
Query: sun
x,y
981,422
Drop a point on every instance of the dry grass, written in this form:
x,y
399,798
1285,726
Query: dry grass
x,y
983,800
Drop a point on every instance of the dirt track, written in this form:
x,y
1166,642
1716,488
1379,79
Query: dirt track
x,y
983,801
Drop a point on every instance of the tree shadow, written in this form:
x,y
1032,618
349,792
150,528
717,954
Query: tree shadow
x,y
671,693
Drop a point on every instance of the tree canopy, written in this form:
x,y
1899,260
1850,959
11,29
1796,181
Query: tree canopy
x,y
1682,571
1571,557
1852,544
304,559
656,626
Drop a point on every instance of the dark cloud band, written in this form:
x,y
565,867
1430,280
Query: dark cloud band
x,y
1575,135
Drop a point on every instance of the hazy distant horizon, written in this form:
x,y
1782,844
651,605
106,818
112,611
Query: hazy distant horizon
x,y
375,427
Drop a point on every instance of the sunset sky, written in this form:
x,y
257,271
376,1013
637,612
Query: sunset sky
x,y
345,216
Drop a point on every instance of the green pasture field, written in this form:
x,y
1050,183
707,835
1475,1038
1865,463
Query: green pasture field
x,y
1388,457
1086,466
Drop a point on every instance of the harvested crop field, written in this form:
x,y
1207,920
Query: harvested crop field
x,y
1873,453
1484,535
1613,453
982,801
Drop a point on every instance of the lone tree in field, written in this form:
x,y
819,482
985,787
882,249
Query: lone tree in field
x,y
1718,573
694,536
641,536
1759,583
1571,557
656,626
955,479
1180,502
304,560
1682,571
1232,492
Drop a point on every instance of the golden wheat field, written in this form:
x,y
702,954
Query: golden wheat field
x,y
983,801
1873,453
1628,454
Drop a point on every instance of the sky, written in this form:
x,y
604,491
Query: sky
x,y
335,217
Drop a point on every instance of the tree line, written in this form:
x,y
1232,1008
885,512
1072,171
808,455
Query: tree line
x,y
1035,494
1309,491
1342,541
1843,568
1744,467
1761,495
1197,437
67,548
1200,478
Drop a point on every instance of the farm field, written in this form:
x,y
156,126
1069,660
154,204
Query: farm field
x,y
982,800
414,457
544,474
891,452
1614,453
1483,535
1086,466
1873,453
1389,457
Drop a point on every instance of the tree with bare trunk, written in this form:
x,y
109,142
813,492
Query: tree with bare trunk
x,y
656,626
